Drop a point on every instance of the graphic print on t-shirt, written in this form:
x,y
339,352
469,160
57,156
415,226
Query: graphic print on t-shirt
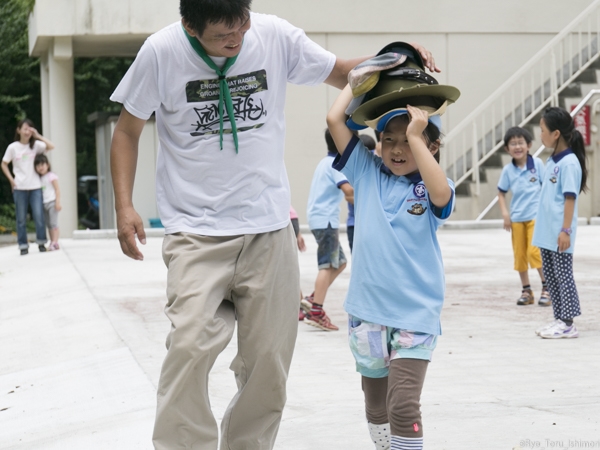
x,y
246,106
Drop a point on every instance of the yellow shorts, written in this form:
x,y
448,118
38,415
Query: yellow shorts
x,y
526,255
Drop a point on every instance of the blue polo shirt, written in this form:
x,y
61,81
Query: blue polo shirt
x,y
526,185
325,195
397,277
562,178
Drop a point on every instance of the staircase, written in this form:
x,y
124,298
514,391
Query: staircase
x,y
474,154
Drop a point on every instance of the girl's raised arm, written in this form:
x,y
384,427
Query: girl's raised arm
x,y
431,172
336,120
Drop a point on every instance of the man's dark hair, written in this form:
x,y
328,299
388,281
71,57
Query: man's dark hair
x,y
199,13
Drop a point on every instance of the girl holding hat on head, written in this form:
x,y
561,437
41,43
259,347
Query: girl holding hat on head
x,y
397,286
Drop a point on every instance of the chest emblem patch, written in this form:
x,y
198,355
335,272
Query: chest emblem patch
x,y
553,179
533,179
419,190
417,209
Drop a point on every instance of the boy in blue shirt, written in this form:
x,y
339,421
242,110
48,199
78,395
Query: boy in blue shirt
x,y
524,177
327,190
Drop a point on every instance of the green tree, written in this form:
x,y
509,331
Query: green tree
x,y
20,95
19,78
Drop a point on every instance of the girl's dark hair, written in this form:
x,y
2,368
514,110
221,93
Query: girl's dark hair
x,y
517,132
431,133
19,125
199,13
40,158
331,148
559,119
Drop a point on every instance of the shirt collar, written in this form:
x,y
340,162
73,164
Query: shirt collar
x,y
556,158
334,154
413,177
530,163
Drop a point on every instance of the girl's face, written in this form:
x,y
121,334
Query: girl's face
x,y
395,151
42,169
549,138
25,132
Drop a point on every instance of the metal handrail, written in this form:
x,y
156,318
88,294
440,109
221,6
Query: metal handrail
x,y
573,113
522,96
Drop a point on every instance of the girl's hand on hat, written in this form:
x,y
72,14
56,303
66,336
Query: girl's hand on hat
x,y
427,57
418,122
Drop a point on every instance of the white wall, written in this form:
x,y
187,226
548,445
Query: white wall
x,y
477,44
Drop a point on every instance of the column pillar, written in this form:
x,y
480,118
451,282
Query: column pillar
x,y
58,119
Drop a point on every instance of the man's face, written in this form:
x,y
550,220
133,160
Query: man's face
x,y
219,39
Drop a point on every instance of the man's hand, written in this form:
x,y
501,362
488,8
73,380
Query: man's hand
x,y
427,57
129,224
301,243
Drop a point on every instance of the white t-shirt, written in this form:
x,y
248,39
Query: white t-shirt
x,y
48,191
199,187
22,156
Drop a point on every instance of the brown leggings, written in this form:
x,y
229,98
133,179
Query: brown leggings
x,y
396,398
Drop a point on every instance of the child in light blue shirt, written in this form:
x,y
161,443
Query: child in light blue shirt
x,y
523,176
327,190
397,283
556,222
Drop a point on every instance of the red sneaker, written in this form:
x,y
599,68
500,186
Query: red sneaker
x,y
320,321
306,303
301,315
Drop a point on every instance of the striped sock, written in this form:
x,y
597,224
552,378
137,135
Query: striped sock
x,y
403,443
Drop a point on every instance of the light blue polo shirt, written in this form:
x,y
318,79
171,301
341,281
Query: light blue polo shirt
x,y
526,185
397,277
325,195
562,178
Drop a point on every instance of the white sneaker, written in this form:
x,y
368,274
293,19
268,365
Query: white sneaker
x,y
560,330
547,326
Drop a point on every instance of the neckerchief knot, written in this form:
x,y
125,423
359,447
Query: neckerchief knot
x,y
224,93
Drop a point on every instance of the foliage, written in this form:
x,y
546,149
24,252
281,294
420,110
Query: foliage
x,y
95,80
8,220
20,92
19,78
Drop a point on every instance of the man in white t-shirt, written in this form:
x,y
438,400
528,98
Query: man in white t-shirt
x,y
217,84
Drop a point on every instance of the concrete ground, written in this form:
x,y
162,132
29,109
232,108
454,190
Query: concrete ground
x,y
82,335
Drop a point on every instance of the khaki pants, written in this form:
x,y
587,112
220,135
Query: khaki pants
x,y
212,281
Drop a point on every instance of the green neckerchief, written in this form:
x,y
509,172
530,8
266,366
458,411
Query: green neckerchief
x,y
224,93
